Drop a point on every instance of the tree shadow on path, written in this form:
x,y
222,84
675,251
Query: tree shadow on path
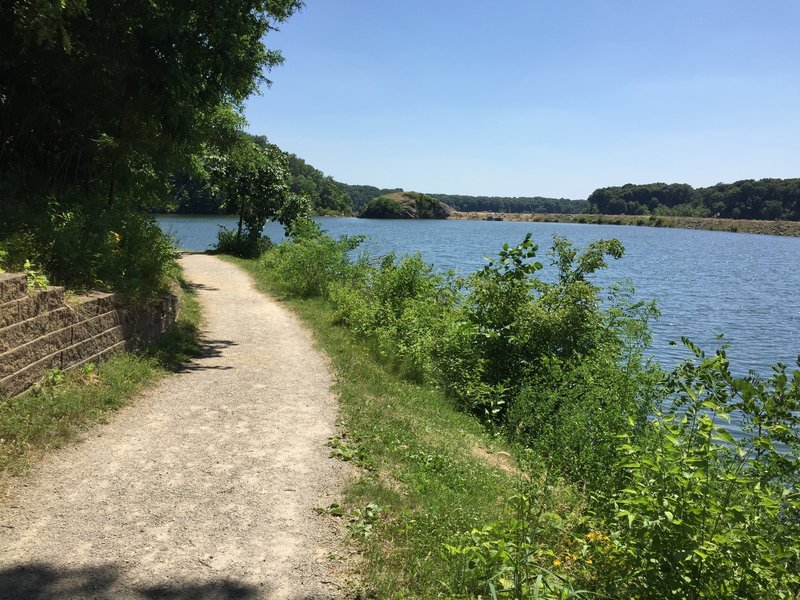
x,y
39,581
209,349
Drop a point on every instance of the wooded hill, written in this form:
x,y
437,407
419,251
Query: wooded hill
x,y
746,199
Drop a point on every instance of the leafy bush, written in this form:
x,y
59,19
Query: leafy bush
x,y
528,556
514,324
572,414
672,504
310,262
117,250
705,514
402,305
249,245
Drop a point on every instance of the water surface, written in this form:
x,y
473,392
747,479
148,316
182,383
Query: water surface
x,y
705,282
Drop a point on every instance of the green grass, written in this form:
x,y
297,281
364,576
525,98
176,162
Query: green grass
x,y
420,476
54,411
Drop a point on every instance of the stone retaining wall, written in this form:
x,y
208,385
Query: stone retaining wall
x,y
43,330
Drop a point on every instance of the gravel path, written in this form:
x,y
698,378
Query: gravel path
x,y
205,487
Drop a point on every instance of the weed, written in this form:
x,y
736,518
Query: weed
x,y
36,279
333,510
363,519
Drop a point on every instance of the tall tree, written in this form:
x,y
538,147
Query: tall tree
x,y
252,180
107,98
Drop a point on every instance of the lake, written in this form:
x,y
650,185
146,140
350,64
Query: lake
x,y
704,282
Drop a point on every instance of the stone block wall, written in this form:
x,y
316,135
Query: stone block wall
x,y
43,330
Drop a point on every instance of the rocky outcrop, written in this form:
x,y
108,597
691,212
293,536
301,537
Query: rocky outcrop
x,y
406,205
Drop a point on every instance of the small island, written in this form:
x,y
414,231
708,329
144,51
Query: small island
x,y
405,205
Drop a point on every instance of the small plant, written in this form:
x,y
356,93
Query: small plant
x,y
705,514
36,279
333,510
347,450
523,558
362,520
54,377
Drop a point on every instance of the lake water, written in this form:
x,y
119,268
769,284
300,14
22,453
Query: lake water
x,y
705,282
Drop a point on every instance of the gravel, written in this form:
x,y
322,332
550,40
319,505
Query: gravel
x,y
205,487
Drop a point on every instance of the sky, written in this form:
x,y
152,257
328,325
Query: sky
x,y
535,98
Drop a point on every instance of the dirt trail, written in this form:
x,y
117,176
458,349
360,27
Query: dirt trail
x,y
205,488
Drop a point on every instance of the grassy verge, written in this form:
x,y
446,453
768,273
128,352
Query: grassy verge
x,y
54,411
428,473
785,228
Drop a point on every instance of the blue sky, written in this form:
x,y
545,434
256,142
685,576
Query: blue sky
x,y
537,98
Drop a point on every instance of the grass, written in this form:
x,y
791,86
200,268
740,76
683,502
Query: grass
x,y
427,472
55,410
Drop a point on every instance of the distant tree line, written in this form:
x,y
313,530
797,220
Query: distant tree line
x,y
767,199
747,199
501,204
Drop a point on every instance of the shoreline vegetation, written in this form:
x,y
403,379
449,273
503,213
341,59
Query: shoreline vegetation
x,y
514,443
782,228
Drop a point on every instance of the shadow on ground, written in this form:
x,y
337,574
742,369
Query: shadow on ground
x,y
199,286
38,581
208,349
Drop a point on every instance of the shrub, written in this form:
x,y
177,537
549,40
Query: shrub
x,y
572,414
401,305
117,250
513,322
310,262
704,514
250,245
529,556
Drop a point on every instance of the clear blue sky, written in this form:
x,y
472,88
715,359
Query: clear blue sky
x,y
526,98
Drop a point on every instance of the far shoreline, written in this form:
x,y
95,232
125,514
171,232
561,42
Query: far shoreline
x,y
781,228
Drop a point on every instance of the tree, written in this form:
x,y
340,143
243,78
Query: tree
x,y
252,180
101,102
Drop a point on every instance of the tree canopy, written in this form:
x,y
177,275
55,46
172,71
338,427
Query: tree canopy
x,y
745,199
113,95
102,102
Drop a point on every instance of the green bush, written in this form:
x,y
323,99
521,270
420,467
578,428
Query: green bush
x,y
527,556
671,504
248,245
125,252
311,262
704,514
116,250
401,304
513,323
572,414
